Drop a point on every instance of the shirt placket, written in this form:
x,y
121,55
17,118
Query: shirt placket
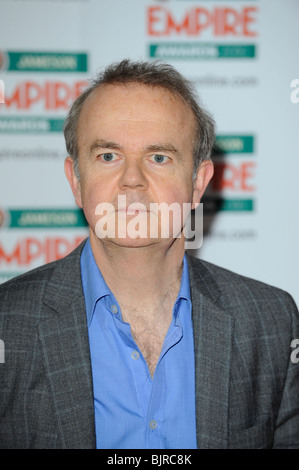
x,y
155,413
150,392
140,372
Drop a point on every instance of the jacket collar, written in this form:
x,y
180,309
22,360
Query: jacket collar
x,y
65,347
213,330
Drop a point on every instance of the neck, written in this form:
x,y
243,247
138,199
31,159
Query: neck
x,y
140,275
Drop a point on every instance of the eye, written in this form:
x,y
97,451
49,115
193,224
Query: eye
x,y
108,157
157,158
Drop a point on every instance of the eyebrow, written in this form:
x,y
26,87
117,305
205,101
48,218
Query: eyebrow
x,y
162,148
103,144
107,144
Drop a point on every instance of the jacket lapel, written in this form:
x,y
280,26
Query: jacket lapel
x,y
213,344
64,341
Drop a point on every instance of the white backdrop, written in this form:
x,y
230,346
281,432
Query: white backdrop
x,y
242,56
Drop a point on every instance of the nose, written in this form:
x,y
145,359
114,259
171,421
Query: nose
x,y
133,177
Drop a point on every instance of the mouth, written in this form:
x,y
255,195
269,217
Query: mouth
x,y
132,210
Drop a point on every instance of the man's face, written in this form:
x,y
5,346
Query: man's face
x,y
134,141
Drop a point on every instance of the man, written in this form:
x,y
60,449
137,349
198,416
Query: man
x,y
128,342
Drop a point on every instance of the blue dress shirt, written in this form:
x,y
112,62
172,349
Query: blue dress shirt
x,y
132,409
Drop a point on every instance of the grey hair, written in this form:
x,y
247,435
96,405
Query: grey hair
x,y
154,74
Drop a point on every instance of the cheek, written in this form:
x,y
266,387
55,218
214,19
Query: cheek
x,y
179,193
178,188
92,195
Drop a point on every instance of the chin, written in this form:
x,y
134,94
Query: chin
x,y
132,242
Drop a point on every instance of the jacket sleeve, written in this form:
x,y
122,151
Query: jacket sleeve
x,y
287,424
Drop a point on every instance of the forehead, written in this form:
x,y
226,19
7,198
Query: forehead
x,y
135,106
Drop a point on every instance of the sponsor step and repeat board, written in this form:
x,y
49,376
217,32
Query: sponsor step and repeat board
x,y
242,57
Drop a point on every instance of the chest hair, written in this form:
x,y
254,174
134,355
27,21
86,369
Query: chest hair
x,y
149,329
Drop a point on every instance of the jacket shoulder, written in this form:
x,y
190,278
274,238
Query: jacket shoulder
x,y
260,313
41,272
229,281
228,288
23,295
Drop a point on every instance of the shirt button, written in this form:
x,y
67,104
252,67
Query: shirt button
x,y
135,355
153,424
114,309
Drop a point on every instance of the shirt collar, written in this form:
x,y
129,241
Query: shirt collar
x,y
184,292
95,287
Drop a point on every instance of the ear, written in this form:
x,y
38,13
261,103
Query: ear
x,y
203,177
73,180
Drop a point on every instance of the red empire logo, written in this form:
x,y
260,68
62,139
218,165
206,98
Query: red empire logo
x,y
221,21
53,95
234,177
29,250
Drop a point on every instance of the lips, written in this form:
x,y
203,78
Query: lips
x,y
132,210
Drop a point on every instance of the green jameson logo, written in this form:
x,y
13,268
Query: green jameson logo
x,y
45,61
200,51
233,144
46,218
216,204
30,125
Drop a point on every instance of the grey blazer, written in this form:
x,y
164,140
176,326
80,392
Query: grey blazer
x,y
247,388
